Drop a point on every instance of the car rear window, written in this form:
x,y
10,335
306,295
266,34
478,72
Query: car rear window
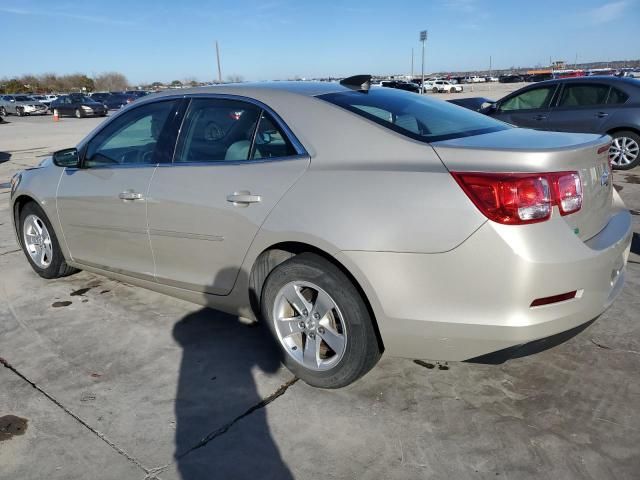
x,y
415,116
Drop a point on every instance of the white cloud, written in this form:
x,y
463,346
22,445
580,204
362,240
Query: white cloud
x,y
607,12
463,6
74,16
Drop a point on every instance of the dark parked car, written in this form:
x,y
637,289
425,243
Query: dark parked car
x,y
136,93
100,96
78,105
608,105
118,100
473,103
408,86
510,78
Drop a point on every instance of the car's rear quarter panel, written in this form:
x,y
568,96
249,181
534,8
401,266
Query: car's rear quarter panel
x,y
368,188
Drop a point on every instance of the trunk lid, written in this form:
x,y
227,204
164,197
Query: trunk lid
x,y
521,150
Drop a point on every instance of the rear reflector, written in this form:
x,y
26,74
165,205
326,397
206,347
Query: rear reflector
x,y
521,198
553,299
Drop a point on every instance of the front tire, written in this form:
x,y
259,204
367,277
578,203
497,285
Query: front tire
x,y
78,113
40,244
3,112
20,112
625,150
320,321
434,89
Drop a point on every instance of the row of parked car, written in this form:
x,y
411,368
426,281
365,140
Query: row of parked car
x,y
74,104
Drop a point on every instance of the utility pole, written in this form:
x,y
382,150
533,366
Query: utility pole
x,y
490,66
219,69
423,39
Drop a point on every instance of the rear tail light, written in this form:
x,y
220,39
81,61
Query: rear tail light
x,y
520,198
568,192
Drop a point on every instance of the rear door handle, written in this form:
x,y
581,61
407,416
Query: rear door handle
x,y
540,117
243,198
129,195
602,114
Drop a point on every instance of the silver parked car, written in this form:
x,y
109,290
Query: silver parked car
x,y
351,220
21,105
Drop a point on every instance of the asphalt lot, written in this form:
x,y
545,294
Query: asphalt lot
x,y
104,380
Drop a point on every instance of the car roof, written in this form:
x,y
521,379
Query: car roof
x,y
593,78
262,89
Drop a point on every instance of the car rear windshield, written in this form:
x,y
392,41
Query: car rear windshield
x,y
413,115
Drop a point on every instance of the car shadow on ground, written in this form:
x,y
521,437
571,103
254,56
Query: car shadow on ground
x,y
221,425
5,157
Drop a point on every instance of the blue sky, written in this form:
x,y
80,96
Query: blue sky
x,y
151,40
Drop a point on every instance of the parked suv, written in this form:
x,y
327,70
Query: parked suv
x,y
443,86
609,105
21,105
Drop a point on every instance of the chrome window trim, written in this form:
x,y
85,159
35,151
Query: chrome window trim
x,y
115,165
301,151
233,162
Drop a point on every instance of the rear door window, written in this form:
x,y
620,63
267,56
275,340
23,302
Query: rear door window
x,y
583,95
617,97
217,130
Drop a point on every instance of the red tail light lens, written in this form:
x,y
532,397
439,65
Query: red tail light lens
x,y
568,192
520,198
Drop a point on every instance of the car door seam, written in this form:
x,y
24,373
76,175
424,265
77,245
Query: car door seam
x,y
146,217
64,236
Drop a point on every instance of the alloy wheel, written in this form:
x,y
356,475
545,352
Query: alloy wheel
x,y
309,325
623,151
37,241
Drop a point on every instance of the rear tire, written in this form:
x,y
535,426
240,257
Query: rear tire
x,y
625,150
342,340
36,235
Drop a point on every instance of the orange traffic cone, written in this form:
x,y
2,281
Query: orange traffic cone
x,y
56,117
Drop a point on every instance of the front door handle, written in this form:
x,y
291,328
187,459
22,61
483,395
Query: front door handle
x,y
243,198
129,195
602,114
540,117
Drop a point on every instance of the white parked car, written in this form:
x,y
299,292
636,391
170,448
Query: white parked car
x,y
445,86
474,79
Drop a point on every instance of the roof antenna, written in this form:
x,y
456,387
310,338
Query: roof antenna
x,y
362,83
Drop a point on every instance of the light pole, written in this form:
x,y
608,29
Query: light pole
x,y
219,69
423,39
412,64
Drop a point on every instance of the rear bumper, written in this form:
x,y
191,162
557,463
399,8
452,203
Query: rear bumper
x,y
476,299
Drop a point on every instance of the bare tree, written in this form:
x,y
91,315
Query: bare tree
x,y
234,78
111,81
191,81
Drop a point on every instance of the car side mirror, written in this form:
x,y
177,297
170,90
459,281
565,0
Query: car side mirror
x,y
68,157
489,108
